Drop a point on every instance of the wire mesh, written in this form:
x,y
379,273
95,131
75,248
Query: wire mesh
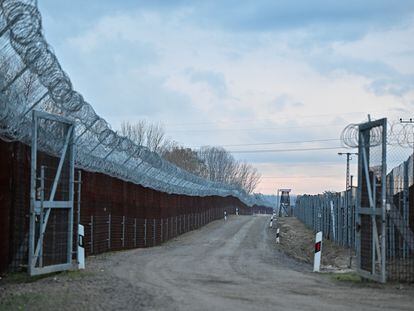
x,y
400,217
331,214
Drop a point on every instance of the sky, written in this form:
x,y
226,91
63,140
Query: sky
x,y
262,78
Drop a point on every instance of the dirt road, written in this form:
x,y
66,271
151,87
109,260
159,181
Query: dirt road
x,y
223,266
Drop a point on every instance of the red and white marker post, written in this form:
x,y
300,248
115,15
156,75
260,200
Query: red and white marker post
x,y
277,236
318,252
81,247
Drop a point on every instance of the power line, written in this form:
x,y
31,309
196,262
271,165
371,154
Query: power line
x,y
256,129
276,143
304,164
279,118
284,150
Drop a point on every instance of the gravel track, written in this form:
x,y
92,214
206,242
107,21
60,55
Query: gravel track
x,y
231,265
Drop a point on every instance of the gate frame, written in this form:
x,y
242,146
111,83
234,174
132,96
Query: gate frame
x,y
377,248
43,208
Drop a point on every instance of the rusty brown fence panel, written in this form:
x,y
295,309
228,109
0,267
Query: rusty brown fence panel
x,y
116,214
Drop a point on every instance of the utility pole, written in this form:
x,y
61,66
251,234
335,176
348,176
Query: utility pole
x,y
348,158
347,193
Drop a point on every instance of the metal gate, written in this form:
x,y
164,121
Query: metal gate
x,y
51,194
371,200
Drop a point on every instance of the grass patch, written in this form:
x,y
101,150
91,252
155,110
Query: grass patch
x,y
23,277
350,277
76,274
35,301
22,301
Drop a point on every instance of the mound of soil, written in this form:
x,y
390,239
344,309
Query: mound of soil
x,y
297,241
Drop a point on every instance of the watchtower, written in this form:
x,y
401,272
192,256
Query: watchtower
x,y
284,202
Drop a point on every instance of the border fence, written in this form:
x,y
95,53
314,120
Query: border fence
x,y
376,219
129,195
116,214
333,213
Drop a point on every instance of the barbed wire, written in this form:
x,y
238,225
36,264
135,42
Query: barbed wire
x,y
99,147
398,134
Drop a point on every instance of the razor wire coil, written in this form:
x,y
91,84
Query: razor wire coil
x,y
398,134
99,148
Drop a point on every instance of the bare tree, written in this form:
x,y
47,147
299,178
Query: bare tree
x,y
186,158
221,166
248,177
155,137
135,132
146,134
212,163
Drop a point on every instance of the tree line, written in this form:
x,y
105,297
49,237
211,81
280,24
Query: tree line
x,y
210,162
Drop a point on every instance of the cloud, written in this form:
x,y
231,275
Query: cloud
x,y
382,78
283,102
328,20
397,85
240,72
214,80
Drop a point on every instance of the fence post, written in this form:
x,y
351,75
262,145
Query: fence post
x,y
109,231
135,232
333,221
153,232
123,231
91,242
145,232
161,233
166,230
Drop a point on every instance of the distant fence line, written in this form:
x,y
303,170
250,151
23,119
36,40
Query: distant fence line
x,y
333,213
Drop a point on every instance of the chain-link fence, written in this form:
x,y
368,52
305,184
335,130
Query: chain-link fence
x,y
377,218
333,213
400,222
